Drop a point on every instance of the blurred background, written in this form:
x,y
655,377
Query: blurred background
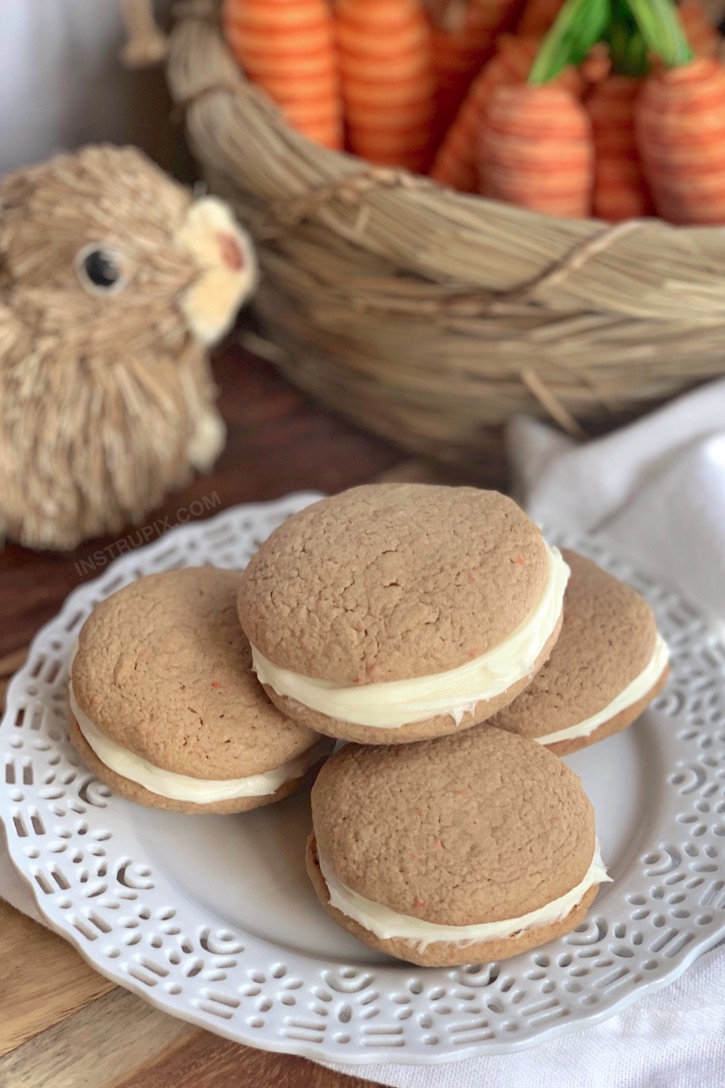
x,y
62,83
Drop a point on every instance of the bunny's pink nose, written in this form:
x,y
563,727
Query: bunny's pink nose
x,y
231,252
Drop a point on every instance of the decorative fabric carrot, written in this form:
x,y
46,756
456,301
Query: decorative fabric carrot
x,y
680,127
535,147
388,83
461,46
680,121
456,161
536,150
287,47
620,191
702,37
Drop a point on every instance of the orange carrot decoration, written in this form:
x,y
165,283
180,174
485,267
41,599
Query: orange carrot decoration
x,y
680,121
456,161
461,46
535,146
287,47
536,150
620,191
388,84
680,126
702,37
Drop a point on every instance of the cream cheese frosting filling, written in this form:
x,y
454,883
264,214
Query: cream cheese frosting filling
x,y
394,703
631,694
386,923
182,787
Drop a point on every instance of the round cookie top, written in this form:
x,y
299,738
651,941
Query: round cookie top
x,y
393,581
474,827
607,639
164,669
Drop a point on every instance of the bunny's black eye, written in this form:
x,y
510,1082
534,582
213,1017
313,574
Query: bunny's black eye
x,y
99,270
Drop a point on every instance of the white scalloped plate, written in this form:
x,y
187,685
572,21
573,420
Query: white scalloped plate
x,y
212,919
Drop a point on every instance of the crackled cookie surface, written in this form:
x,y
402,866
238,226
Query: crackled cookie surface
x,y
467,848
393,612
164,705
607,666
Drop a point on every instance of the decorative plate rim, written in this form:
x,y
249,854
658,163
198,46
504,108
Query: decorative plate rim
x,y
417,1006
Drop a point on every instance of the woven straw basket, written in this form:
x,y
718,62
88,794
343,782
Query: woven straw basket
x,y
431,317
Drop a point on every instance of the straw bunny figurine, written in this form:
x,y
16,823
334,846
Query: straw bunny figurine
x,y
113,282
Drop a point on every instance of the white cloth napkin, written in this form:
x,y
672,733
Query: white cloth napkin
x,y
656,489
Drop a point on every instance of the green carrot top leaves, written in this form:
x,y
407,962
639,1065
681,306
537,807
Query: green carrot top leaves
x,y
635,30
579,25
628,50
661,29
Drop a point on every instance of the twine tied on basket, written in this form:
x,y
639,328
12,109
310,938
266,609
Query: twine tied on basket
x,y
281,216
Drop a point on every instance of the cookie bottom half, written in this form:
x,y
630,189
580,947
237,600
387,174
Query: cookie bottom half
x,y
445,953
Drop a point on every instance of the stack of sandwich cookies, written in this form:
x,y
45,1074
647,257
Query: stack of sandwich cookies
x,y
392,613
165,708
435,630
466,849
608,664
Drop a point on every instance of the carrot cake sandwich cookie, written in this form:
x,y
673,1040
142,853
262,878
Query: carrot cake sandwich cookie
x,y
165,708
466,849
608,664
396,612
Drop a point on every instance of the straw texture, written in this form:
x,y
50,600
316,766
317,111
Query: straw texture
x,y
431,317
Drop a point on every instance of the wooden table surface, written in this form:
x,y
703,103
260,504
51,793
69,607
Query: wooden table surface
x,y
63,1025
